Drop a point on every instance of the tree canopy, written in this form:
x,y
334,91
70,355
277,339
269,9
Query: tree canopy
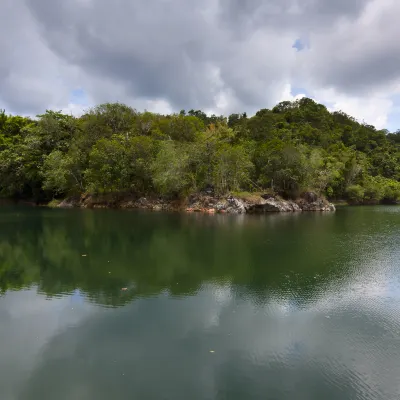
x,y
113,148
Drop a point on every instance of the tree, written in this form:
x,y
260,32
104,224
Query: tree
x,y
108,166
55,130
181,128
355,194
297,146
170,169
60,174
119,164
231,168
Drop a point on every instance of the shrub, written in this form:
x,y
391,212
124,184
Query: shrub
x,y
355,194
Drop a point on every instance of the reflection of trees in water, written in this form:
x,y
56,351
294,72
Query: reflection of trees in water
x,y
151,252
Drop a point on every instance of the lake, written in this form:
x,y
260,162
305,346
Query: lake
x,y
106,304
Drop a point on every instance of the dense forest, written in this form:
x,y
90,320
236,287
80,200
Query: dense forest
x,y
112,148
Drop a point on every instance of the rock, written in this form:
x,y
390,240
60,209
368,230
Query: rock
x,y
236,206
128,204
69,203
267,196
274,205
310,197
311,202
143,202
210,205
65,204
253,204
221,206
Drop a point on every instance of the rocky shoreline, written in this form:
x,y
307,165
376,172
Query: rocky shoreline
x,y
252,204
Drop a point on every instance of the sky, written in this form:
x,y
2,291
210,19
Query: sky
x,y
220,56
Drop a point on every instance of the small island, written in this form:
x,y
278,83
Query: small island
x,y
297,156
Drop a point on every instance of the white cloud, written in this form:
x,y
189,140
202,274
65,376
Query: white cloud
x,y
288,96
222,57
373,110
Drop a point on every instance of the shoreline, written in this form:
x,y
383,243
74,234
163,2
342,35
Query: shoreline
x,y
249,203
202,203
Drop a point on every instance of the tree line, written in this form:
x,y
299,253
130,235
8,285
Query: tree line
x,y
113,148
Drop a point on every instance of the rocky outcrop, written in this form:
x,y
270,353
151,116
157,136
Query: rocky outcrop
x,y
318,205
144,203
273,205
236,206
70,202
205,203
310,201
211,205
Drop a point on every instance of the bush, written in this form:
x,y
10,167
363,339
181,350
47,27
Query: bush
x,y
170,170
373,191
54,203
355,194
391,191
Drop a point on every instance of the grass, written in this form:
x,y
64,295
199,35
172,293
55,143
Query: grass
x,y
54,203
248,196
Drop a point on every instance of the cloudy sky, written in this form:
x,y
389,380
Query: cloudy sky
x,y
220,56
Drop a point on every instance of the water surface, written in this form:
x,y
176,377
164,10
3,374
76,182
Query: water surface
x,y
118,304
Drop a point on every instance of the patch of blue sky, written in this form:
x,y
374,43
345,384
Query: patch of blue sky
x,y
393,121
78,96
301,44
298,90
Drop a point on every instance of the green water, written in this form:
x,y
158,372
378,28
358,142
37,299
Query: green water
x,y
215,307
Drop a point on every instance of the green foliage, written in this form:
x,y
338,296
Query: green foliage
x,y
231,169
355,194
55,130
112,148
181,128
120,164
108,119
392,192
374,190
171,174
379,188
59,173
53,203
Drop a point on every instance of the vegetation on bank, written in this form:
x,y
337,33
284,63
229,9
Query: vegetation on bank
x,y
113,149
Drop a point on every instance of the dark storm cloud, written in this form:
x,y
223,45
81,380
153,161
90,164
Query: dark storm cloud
x,y
229,55
287,15
29,72
156,49
361,56
356,76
